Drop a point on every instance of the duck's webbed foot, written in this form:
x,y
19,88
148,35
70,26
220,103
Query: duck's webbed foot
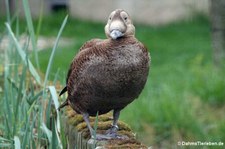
x,y
100,137
112,133
94,135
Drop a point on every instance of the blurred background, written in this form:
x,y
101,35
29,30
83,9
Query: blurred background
x,y
146,11
184,98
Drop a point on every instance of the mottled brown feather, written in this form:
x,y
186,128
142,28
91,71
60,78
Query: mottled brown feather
x,y
98,82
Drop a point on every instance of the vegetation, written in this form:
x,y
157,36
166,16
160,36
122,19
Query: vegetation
x,y
183,100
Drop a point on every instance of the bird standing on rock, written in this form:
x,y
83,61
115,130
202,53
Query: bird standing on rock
x,y
108,74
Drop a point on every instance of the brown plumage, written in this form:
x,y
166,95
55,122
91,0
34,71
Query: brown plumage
x,y
108,74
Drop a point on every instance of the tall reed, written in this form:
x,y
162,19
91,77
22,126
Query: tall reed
x,y
29,105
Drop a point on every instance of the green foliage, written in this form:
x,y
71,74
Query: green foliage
x,y
27,120
208,82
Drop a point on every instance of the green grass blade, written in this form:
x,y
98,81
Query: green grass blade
x,y
95,126
4,145
5,140
16,142
54,140
56,130
7,110
26,134
56,103
53,51
7,11
23,56
8,118
19,97
31,108
33,123
48,112
31,30
35,97
40,19
47,132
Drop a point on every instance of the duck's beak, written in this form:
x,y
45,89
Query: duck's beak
x,y
116,34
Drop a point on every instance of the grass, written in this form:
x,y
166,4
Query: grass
x,y
183,99
27,120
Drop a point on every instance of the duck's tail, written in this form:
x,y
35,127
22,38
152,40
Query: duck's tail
x,y
63,91
65,103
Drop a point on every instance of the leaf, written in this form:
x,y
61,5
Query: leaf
x,y
5,142
23,56
16,142
31,29
47,132
53,51
56,103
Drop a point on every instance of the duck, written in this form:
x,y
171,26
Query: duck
x,y
108,74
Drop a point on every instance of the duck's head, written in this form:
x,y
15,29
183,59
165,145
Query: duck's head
x,y
119,25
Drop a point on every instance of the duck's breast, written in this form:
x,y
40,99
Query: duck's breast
x,y
112,77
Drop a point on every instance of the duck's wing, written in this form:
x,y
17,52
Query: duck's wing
x,y
82,62
85,46
76,64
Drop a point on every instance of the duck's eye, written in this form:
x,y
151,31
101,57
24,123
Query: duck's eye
x,y
110,18
125,18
